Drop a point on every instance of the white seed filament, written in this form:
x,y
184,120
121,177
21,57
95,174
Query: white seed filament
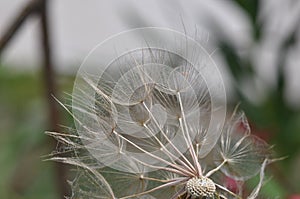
x,y
199,187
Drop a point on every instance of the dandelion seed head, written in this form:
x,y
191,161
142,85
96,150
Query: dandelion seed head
x,y
151,121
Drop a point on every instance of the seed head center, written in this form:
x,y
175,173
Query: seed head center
x,y
200,186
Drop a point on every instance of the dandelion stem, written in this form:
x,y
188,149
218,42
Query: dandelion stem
x,y
170,183
71,114
190,166
178,193
167,151
255,192
215,169
154,156
161,168
157,180
189,141
228,191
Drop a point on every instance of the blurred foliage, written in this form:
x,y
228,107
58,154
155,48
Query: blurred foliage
x,y
273,119
274,113
23,120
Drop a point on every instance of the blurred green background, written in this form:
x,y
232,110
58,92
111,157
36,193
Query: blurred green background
x,y
24,115
23,145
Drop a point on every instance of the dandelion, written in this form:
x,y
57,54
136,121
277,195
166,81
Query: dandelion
x,y
151,123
